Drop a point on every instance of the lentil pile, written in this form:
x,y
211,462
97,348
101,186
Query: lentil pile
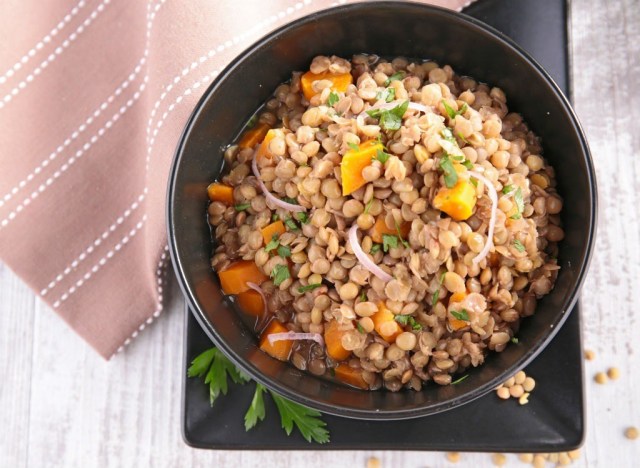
x,y
388,223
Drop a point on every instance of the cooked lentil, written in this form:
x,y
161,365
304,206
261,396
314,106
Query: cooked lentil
x,y
423,216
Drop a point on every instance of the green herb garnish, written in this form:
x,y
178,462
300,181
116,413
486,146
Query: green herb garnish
x,y
274,217
390,119
507,189
333,98
272,244
404,242
375,248
462,138
519,246
363,296
293,201
452,113
284,251
242,206
461,315
291,224
216,369
280,274
256,411
450,174
382,156
308,421
408,320
515,340
474,181
395,77
456,382
360,329
517,197
389,241
309,287
367,207
252,121
436,294
468,164
353,146
447,134
302,216
388,94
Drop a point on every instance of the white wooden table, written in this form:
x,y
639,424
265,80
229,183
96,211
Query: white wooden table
x,y
62,405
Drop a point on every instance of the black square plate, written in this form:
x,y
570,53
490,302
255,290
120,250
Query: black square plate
x,y
552,421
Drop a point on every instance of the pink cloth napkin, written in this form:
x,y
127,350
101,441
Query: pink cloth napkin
x,y
93,97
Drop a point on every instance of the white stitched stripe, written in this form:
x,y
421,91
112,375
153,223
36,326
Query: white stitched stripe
x,y
76,156
76,133
97,242
56,53
102,262
40,45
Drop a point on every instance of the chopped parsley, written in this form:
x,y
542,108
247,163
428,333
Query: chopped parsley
x,y
450,174
474,181
382,156
216,369
461,315
395,77
375,248
333,98
507,189
293,201
388,94
519,245
309,287
408,320
252,121
456,382
462,138
353,147
274,217
360,329
468,164
272,244
447,134
291,224
280,274
515,340
242,206
436,294
451,112
363,296
368,206
517,197
284,251
404,242
388,241
390,119
302,216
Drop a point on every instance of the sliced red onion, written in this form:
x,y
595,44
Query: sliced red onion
x,y
259,290
493,196
268,195
364,258
317,337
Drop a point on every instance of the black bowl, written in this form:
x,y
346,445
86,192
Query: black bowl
x,y
387,29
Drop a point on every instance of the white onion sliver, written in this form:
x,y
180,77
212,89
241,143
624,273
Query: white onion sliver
x,y
269,196
364,258
259,290
493,196
317,337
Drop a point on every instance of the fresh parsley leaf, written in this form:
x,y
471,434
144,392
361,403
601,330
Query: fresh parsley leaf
x,y
333,98
390,119
517,197
367,207
395,77
462,138
515,340
363,296
382,156
353,146
388,241
388,94
280,274
408,320
252,121
242,206
256,412
216,368
507,189
284,251
302,216
463,109
456,382
474,181
274,217
447,134
436,294
468,164
452,113
519,246
461,315
309,287
360,329
450,174
293,201
375,248
404,242
291,224
415,325
307,420
272,244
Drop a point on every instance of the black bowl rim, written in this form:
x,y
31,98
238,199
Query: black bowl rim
x,y
381,414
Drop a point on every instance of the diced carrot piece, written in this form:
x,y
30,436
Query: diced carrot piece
x,y
220,193
251,302
263,149
254,135
457,297
384,323
351,376
333,341
340,82
353,162
458,201
279,349
235,277
380,228
273,228
455,323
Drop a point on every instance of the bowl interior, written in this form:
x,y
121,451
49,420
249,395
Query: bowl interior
x,y
388,29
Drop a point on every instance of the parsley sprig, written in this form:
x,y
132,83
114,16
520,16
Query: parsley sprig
x,y
436,294
395,77
408,320
280,274
333,98
450,174
390,119
461,314
453,113
217,368
388,94
519,200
